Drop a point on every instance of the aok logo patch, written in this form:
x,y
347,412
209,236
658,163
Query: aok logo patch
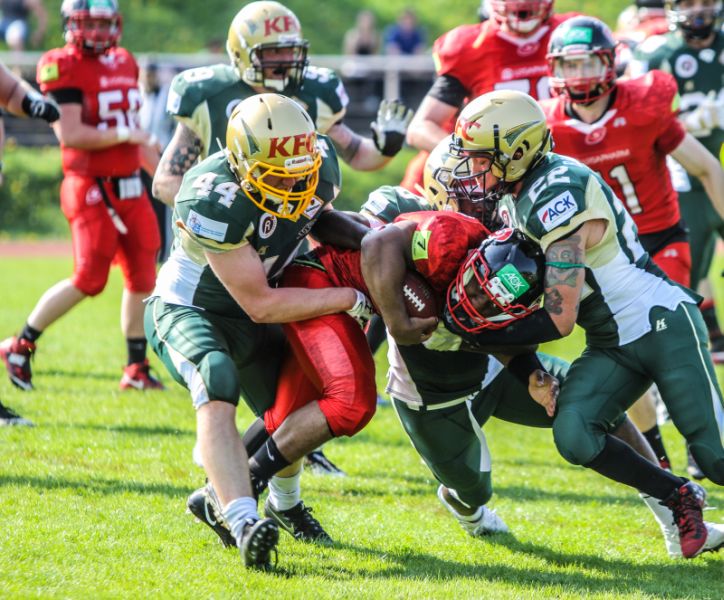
x,y
513,281
558,210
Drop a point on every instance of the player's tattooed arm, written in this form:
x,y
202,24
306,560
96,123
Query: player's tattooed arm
x,y
180,155
564,278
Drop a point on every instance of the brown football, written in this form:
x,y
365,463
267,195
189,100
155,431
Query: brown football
x,y
419,297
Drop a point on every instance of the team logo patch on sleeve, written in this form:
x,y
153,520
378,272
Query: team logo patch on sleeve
x,y
419,244
558,210
205,227
49,72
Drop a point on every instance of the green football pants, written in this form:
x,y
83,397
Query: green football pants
x,y
603,382
215,357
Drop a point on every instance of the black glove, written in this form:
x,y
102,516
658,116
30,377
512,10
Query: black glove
x,y
388,131
40,107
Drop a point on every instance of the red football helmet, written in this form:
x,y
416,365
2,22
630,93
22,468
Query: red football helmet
x,y
93,26
522,17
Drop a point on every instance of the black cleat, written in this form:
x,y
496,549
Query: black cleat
x,y
204,505
10,418
319,464
299,523
258,540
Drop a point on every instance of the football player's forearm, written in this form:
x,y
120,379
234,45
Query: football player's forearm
x,y
85,137
286,305
383,268
713,181
425,134
341,229
165,186
368,157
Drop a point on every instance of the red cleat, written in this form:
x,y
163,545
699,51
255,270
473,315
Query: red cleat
x,y
16,353
137,376
687,504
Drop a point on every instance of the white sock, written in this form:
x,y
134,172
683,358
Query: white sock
x,y
285,492
237,512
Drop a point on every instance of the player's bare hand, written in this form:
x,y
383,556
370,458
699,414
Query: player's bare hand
x,y
414,330
544,389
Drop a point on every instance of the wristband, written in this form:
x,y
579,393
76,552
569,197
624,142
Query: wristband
x,y
122,133
522,366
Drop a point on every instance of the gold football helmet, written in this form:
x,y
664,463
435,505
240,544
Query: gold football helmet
x,y
271,146
437,179
508,127
265,45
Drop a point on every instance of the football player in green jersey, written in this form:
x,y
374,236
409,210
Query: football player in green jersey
x,y
444,399
640,327
268,53
692,53
240,217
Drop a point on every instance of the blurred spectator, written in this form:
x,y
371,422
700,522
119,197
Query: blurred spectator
x,y
363,39
14,25
405,36
155,83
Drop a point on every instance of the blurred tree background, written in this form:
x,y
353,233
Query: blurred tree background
x,y
29,196
183,26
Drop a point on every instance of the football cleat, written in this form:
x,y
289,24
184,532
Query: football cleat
x,y
686,505
692,468
8,417
137,376
319,464
16,353
299,523
258,540
717,350
714,537
204,505
483,522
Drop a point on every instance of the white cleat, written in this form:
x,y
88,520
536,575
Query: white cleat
x,y
715,537
483,522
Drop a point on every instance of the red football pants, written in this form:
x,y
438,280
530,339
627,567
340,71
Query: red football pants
x,y
330,363
97,242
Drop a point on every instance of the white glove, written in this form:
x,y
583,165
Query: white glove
x,y
388,131
443,340
362,310
709,115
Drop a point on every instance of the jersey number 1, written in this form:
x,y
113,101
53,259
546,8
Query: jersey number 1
x,y
620,174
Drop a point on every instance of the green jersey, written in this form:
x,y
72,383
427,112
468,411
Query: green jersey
x,y
418,375
622,284
213,214
698,72
203,99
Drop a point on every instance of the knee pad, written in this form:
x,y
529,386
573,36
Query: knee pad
x,y
574,438
472,486
347,418
90,282
220,377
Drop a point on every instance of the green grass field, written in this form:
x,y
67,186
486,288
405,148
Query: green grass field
x,y
92,499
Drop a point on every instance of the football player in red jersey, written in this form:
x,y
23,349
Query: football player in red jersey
x,y
624,131
506,51
102,148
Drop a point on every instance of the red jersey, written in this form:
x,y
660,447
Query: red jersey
x,y
484,58
108,84
628,145
439,244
